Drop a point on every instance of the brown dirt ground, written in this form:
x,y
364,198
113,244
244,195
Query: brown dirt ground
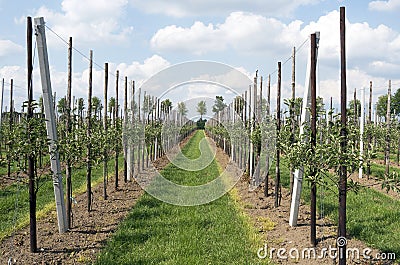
x,y
84,240
376,184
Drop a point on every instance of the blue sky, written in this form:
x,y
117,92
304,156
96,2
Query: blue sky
x,y
140,38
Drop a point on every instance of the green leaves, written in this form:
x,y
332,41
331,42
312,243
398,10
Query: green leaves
x,y
323,162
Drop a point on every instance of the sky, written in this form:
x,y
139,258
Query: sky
x,y
141,38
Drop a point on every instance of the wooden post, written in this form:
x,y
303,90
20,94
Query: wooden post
x,y
143,140
278,128
387,150
139,136
10,126
1,101
268,111
105,127
31,156
355,108
304,120
116,131
292,120
68,168
343,143
89,136
132,122
313,82
50,123
124,129
360,170
369,148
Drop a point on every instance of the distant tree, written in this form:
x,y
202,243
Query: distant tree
x,y
97,107
201,124
395,102
166,106
201,108
350,110
381,106
111,106
62,106
182,108
218,104
298,104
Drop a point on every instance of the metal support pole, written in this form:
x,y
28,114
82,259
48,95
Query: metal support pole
x,y
50,123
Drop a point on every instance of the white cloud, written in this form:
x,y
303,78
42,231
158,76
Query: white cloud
x,y
183,8
88,21
390,5
8,47
138,71
246,33
241,31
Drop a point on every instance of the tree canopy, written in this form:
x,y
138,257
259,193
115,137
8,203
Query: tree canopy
x,y
218,104
202,108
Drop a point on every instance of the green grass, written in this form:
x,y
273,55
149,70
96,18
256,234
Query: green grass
x,y
3,170
45,198
378,170
381,155
14,168
155,232
372,216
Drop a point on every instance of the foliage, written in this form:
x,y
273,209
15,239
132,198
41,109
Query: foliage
x,y
201,108
322,162
200,124
166,106
350,110
381,106
182,109
218,104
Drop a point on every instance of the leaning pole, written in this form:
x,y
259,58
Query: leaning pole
x,y
50,123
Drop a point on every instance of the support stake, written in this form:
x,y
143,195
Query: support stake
x,y
50,123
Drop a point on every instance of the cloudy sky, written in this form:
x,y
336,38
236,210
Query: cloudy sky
x,y
141,38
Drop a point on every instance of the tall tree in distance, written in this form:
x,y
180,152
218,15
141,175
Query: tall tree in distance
x,y
96,107
201,108
182,109
166,106
62,106
218,104
381,106
111,106
395,102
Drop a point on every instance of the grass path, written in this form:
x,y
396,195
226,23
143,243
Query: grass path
x,y
372,216
159,233
45,198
